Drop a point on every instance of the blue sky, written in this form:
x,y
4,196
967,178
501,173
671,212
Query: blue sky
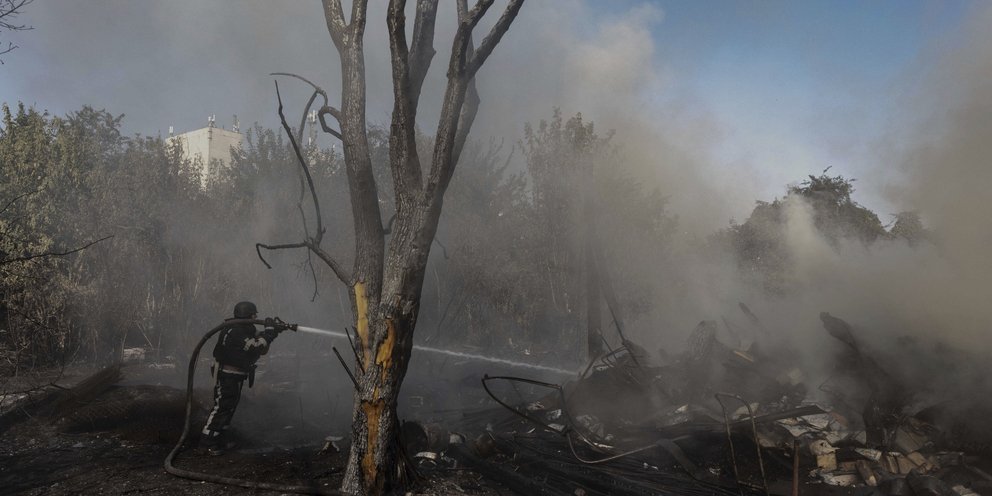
x,y
800,86
783,88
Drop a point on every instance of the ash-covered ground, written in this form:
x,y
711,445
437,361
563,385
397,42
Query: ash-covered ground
x,y
733,413
291,428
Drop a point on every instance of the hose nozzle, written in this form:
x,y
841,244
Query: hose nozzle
x,y
280,326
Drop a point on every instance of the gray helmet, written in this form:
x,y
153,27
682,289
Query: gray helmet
x,y
245,310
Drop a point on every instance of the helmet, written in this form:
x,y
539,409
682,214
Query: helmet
x,y
245,310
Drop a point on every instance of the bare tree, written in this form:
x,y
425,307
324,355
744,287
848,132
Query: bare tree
x,y
9,10
387,276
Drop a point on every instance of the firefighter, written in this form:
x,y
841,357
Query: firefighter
x,y
236,352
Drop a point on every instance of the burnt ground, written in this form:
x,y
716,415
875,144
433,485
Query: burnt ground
x,y
116,442
36,460
113,439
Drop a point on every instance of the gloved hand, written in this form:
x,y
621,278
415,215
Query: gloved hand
x,y
271,329
269,333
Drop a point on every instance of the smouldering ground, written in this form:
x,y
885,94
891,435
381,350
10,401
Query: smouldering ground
x,y
123,453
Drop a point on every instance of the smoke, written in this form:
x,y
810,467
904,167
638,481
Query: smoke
x,y
608,68
932,291
170,63
909,302
947,162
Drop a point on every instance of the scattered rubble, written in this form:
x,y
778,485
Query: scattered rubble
x,y
715,420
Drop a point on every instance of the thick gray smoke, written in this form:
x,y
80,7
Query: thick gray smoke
x,y
609,70
948,162
932,294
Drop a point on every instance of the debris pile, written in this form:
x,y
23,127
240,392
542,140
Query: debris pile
x,y
717,419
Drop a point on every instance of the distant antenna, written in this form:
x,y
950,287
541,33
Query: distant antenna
x,y
211,120
312,117
170,131
237,124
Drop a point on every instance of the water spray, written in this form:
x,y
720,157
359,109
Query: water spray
x,y
314,330
281,326
450,353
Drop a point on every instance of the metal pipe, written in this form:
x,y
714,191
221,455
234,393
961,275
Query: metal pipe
x,y
754,432
795,467
730,440
486,378
346,369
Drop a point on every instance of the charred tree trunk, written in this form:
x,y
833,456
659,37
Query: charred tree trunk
x,y
385,282
387,278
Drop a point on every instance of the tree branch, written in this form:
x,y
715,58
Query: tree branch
x,y
472,17
336,25
358,15
396,22
303,189
333,264
25,258
365,209
313,272
299,206
494,36
14,200
9,9
410,65
323,124
10,48
470,108
316,88
324,109
422,45
306,170
314,248
312,243
461,98
259,246
404,160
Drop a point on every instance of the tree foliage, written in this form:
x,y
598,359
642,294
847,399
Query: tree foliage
x,y
759,244
169,265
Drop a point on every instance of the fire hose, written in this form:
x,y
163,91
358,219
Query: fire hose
x,y
231,481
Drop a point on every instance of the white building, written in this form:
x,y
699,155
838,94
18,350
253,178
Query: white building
x,y
209,148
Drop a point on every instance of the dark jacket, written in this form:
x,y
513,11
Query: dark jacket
x,y
239,346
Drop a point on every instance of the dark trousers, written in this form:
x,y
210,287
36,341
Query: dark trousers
x,y
227,393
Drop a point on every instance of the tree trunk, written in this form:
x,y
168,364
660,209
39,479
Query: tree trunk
x,y
385,340
374,464
385,284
